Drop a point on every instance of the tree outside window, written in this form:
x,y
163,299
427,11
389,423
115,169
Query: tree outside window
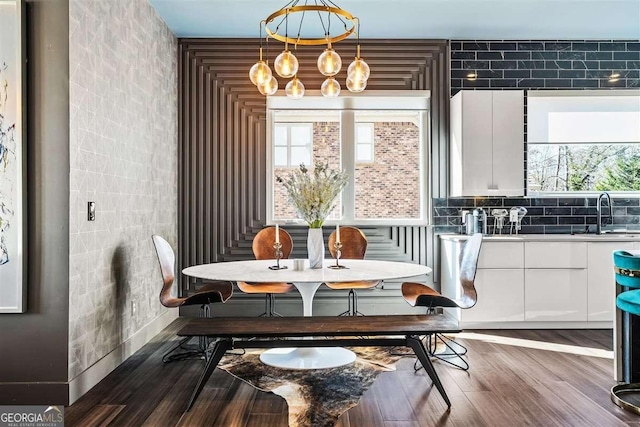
x,y
583,141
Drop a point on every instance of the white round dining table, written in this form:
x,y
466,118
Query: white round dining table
x,y
307,282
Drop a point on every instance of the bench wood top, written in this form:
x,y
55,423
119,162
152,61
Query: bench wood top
x,y
262,327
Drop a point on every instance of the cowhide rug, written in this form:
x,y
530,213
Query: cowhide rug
x,y
316,398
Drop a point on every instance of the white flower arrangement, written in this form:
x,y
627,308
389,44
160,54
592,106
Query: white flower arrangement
x,y
313,194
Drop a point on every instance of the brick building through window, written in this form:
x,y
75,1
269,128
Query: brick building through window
x,y
383,151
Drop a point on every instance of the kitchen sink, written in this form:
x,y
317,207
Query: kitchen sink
x,y
616,234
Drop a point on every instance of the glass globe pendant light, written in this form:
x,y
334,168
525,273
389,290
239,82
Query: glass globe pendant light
x,y
356,85
358,69
260,73
329,62
330,88
358,72
294,89
270,87
286,64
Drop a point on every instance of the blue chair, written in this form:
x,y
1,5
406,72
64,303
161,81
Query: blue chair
x,y
627,272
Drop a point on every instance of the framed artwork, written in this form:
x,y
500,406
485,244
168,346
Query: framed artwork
x,y
12,159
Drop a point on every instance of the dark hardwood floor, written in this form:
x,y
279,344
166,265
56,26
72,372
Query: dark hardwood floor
x,y
509,384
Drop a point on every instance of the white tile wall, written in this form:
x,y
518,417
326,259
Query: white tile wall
x,y
123,97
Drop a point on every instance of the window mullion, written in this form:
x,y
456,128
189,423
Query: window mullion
x,y
269,181
348,154
425,167
289,145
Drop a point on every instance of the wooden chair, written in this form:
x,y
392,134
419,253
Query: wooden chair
x,y
263,249
211,292
354,246
417,294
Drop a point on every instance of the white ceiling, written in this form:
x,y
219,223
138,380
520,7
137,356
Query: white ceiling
x,y
441,19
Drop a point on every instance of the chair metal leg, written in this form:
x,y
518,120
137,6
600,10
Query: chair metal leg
x,y
355,303
205,311
267,305
352,299
179,344
270,307
190,352
273,311
432,344
457,361
462,350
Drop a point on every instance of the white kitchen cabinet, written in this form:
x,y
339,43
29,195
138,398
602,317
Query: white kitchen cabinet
x,y
500,296
555,279
555,294
501,255
555,255
487,143
499,281
601,279
538,281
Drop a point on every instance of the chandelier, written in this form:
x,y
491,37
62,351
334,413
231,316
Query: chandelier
x,y
329,63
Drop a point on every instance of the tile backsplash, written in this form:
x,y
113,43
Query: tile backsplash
x,y
545,215
544,64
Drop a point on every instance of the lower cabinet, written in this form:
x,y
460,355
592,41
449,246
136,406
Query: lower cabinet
x,y
500,296
555,295
524,282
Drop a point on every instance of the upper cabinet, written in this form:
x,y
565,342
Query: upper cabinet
x,y
487,143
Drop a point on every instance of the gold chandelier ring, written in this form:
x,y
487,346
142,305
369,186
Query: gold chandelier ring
x,y
310,8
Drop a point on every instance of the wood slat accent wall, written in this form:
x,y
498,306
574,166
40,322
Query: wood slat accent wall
x,y
222,137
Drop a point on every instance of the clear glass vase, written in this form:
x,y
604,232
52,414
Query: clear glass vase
x,y
315,248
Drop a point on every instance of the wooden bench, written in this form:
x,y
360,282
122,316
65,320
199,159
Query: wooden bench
x,y
274,332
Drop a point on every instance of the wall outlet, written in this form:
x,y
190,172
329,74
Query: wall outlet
x,y
134,307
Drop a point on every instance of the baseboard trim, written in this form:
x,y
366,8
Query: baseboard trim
x,y
103,367
41,393
537,325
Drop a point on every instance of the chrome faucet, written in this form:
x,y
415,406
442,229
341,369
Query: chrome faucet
x,y
599,211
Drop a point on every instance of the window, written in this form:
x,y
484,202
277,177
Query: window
x,y
292,144
382,143
583,141
387,186
364,142
313,136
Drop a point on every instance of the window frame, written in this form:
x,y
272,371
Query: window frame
x,y
347,106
